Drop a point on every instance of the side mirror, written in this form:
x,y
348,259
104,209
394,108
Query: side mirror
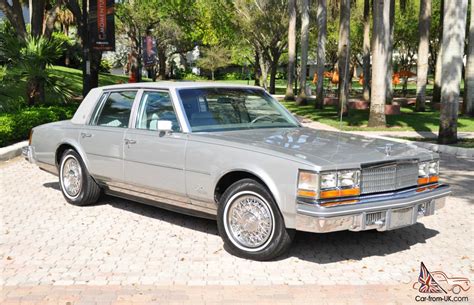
x,y
165,126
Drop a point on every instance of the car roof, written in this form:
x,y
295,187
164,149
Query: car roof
x,y
177,85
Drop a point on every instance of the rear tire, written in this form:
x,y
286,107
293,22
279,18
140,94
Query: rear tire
x,y
76,184
250,222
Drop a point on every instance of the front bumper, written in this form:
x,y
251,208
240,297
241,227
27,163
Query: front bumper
x,y
28,152
380,212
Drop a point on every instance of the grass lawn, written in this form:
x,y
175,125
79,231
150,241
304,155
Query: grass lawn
x,y
357,119
409,120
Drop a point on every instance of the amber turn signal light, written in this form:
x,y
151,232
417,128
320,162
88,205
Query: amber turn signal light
x,y
426,180
339,193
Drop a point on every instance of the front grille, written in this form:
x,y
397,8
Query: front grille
x,y
388,177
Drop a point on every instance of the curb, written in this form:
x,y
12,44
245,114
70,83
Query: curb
x,y
12,151
438,148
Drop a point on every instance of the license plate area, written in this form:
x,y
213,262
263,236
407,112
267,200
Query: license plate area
x,y
401,218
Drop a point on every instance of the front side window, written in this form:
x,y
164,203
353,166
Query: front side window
x,y
116,109
217,109
156,106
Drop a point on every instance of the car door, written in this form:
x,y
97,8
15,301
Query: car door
x,y
103,139
154,160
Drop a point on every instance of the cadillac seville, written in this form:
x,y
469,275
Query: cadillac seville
x,y
234,154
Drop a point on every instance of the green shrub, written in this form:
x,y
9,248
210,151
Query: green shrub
x,y
192,76
16,127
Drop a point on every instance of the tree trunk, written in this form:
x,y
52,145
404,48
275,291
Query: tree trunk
x,y
290,95
37,17
389,75
162,63
256,70
452,60
423,54
212,74
273,72
302,98
264,68
14,14
343,54
439,66
381,34
322,36
469,73
96,57
366,51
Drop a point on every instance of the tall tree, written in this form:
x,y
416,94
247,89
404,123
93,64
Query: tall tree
x,y
302,98
344,54
290,95
381,35
455,13
322,37
439,66
366,51
423,54
256,21
469,74
389,76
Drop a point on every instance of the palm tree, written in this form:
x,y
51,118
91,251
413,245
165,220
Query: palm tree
x,y
437,80
301,99
381,35
469,73
322,37
344,53
366,51
423,53
455,13
290,95
389,74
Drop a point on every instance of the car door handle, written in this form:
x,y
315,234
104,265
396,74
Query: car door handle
x,y
86,135
128,141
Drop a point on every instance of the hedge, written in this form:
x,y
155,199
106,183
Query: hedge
x,y
15,127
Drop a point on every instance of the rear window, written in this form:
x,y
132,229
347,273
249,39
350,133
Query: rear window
x,y
115,111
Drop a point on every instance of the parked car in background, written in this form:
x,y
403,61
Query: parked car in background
x,y
234,154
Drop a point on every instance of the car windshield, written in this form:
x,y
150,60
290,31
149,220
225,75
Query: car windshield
x,y
217,109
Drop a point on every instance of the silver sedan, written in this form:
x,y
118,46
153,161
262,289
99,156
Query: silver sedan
x,y
234,154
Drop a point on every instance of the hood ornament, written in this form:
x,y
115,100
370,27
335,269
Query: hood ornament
x,y
388,149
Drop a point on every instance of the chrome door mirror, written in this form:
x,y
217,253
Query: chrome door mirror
x,y
165,126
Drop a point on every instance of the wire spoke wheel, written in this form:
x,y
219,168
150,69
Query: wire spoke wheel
x,y
249,221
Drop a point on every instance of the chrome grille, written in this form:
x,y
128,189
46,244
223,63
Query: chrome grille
x,y
388,177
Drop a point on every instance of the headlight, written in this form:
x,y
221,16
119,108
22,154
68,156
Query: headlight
x,y
328,184
423,169
347,179
328,180
428,172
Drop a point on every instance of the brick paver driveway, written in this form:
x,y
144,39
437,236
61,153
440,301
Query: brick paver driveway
x,y
122,252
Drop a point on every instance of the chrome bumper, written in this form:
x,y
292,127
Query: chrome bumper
x,y
379,212
28,152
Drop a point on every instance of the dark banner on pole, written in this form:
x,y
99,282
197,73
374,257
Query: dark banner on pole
x,y
102,25
149,51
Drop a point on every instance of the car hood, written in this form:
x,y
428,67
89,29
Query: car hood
x,y
337,149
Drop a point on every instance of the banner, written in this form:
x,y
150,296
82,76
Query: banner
x,y
102,25
149,51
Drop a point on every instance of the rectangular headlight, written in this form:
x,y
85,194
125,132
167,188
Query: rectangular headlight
x,y
348,179
328,180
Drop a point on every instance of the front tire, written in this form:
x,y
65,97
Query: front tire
x,y
76,184
250,222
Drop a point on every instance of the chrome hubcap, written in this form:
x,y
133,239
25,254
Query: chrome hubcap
x,y
250,221
72,177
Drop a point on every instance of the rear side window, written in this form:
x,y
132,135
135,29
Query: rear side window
x,y
115,111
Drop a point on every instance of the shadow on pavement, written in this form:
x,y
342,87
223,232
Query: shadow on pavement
x,y
345,245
